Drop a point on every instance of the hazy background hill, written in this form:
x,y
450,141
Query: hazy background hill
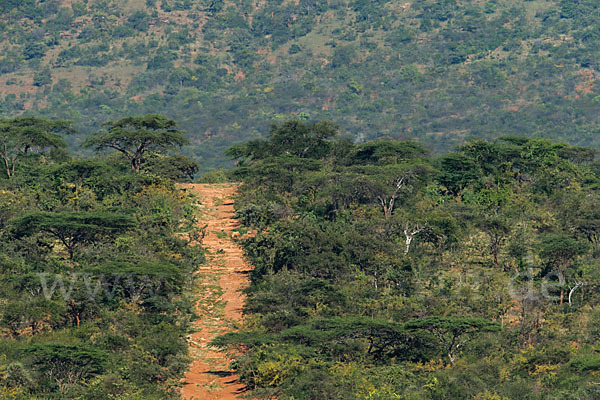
x,y
438,70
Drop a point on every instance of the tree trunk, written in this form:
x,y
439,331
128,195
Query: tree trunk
x,y
408,240
7,162
577,286
410,234
452,358
135,165
495,247
495,258
375,280
561,280
388,206
8,170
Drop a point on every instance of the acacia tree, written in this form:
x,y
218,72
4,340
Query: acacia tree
x,y
408,223
134,136
176,167
383,152
587,222
291,139
560,251
452,332
410,230
24,135
457,171
387,183
497,229
302,140
22,315
386,339
62,365
71,228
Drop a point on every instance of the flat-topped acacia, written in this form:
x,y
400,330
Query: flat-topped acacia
x,y
19,137
134,136
70,227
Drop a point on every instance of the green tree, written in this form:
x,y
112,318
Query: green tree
x,y
388,183
29,315
42,78
134,136
452,332
62,366
587,221
292,138
23,135
457,171
140,281
385,339
138,20
72,228
388,152
497,228
301,139
34,50
560,251
176,167
279,172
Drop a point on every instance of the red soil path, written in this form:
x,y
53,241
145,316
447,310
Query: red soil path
x,y
219,299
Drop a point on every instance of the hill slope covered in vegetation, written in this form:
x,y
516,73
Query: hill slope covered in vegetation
x,y
441,71
382,272
97,271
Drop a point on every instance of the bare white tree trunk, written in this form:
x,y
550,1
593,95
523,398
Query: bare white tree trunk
x,y
410,233
573,289
387,205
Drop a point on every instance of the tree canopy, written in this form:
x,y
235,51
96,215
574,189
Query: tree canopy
x,y
21,136
72,228
383,271
134,136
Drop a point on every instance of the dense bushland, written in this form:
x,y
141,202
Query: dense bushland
x,y
382,272
96,270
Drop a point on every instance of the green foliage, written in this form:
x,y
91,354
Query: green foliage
x,y
292,138
450,331
457,171
24,137
178,167
95,272
138,20
373,277
442,72
388,152
42,78
134,136
66,365
34,50
72,228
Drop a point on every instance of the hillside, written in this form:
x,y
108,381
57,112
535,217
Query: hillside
x,y
371,271
383,273
442,71
98,273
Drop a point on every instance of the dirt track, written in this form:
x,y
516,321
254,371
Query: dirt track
x,y
219,301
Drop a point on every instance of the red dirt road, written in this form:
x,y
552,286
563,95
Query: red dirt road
x,y
219,299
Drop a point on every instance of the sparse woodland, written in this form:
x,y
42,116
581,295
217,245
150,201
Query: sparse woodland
x,y
380,270
442,71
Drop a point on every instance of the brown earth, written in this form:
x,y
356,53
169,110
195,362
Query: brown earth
x,y
219,298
